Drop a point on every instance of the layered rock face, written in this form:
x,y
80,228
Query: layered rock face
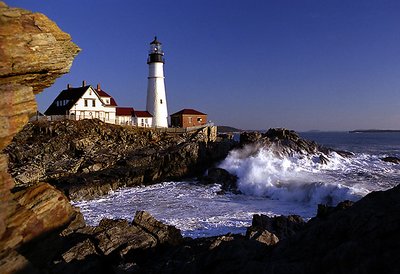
x,y
88,158
33,53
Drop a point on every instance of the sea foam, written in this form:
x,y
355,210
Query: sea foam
x,y
295,178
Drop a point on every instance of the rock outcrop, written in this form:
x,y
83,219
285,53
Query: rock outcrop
x,y
284,142
89,158
275,228
33,53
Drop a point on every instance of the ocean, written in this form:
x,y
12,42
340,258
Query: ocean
x,y
270,185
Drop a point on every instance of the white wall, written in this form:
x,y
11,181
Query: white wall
x,y
156,97
143,121
82,111
125,120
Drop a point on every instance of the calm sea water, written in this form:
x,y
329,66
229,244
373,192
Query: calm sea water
x,y
270,185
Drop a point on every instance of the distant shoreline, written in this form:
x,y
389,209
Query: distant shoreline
x,y
375,131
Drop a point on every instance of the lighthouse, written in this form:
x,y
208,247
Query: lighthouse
x,y
156,98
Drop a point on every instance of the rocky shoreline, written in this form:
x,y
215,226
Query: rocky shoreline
x,y
89,158
359,237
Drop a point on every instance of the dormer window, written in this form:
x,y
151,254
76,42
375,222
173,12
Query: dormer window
x,y
107,101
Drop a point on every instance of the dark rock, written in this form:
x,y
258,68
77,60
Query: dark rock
x,y
323,160
221,176
325,210
165,234
283,142
249,137
394,160
80,251
364,238
119,237
281,226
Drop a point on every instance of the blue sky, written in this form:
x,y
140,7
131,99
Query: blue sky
x,y
303,65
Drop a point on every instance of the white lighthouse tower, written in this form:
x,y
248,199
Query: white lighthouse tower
x,y
156,98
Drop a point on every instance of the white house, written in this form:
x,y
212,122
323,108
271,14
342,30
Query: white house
x,y
83,102
143,118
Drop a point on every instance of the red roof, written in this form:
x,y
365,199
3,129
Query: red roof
x,y
139,113
112,102
124,111
102,93
188,111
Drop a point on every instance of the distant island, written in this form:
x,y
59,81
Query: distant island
x,y
227,129
374,131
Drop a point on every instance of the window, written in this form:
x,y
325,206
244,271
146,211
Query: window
x,y
146,120
199,119
190,120
93,103
107,101
58,103
160,101
86,102
90,91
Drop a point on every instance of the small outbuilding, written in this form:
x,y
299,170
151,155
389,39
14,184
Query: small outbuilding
x,y
124,115
142,118
188,118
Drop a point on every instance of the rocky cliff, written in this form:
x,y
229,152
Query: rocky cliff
x,y
33,53
89,158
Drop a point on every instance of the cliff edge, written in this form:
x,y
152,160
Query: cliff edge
x,y
33,53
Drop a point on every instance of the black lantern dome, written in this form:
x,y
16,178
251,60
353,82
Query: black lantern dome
x,y
155,52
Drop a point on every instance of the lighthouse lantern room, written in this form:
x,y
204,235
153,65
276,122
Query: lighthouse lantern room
x,y
156,97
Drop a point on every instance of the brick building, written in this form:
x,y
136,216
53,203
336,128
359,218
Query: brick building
x,y
188,118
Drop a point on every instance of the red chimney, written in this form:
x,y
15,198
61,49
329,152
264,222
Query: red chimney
x,y
98,87
83,83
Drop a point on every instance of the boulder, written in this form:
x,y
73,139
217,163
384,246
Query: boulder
x,y
222,177
165,234
119,236
391,159
281,227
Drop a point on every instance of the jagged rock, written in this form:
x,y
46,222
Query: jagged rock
x,y
393,160
119,236
364,238
39,210
249,137
33,53
284,142
280,226
263,236
325,210
163,233
90,158
221,176
80,251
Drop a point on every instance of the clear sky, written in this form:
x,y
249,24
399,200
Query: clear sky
x,y
251,64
